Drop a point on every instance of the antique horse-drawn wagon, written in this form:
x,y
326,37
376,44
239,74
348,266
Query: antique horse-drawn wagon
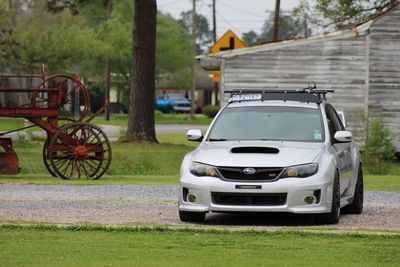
x,y
59,104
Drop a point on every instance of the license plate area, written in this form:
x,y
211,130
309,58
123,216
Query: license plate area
x,y
248,186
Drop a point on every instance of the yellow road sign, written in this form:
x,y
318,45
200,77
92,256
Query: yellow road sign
x,y
227,42
215,76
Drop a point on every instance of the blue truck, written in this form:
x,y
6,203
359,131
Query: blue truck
x,y
167,103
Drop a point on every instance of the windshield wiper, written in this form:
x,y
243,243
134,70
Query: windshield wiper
x,y
216,139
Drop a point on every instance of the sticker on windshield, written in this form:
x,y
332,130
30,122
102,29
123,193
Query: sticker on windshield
x,y
246,97
317,135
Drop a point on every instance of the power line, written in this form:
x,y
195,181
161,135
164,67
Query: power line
x,y
241,10
226,21
169,3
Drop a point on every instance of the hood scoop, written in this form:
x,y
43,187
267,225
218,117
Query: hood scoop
x,y
255,149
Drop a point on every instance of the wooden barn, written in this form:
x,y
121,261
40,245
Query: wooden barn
x,y
360,62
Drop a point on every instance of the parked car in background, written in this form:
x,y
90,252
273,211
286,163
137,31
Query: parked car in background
x,y
167,103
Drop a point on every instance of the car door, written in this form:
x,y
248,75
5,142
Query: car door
x,y
343,150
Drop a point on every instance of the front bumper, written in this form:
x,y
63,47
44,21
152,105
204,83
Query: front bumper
x,y
181,108
295,190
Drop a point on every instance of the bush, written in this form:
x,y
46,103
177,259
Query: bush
x,y
210,111
378,149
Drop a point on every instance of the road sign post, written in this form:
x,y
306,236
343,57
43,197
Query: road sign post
x,y
228,41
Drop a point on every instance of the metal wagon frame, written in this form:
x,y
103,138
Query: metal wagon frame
x,y
59,104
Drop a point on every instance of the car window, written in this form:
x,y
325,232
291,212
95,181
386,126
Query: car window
x,y
333,120
176,97
268,123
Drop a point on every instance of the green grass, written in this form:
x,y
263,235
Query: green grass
x,y
382,183
133,164
122,119
128,158
8,124
161,246
138,164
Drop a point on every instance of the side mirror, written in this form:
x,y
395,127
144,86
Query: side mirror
x,y
194,135
343,136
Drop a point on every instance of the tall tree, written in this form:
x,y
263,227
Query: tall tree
x,y
250,38
289,28
204,35
141,115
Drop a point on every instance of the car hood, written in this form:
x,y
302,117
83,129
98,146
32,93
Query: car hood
x,y
254,154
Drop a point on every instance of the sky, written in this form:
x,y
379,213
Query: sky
x,y
237,15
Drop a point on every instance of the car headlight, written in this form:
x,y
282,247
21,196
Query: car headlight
x,y
200,169
300,171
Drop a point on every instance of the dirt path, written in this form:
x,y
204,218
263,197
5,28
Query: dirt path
x,y
116,205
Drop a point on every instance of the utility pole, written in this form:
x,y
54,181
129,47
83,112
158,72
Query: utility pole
x,y
192,91
214,23
107,70
275,33
305,26
215,40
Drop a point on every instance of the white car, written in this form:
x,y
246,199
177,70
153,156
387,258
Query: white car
x,y
273,151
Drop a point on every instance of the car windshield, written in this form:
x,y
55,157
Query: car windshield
x,y
268,123
176,97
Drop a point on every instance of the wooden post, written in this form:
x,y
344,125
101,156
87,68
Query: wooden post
x,y
275,33
192,91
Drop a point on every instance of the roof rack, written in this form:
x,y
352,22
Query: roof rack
x,y
310,94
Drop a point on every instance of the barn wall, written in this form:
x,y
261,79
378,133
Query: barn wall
x,y
338,64
384,70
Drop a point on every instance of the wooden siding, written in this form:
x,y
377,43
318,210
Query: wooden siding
x,y
338,64
384,70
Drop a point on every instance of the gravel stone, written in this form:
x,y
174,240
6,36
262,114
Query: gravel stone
x,y
150,204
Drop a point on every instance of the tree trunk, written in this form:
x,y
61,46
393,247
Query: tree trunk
x,y
141,109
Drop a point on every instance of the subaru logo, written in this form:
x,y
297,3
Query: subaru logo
x,y
249,170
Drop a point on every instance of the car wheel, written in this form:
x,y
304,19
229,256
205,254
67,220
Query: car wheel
x,y
333,216
358,199
187,216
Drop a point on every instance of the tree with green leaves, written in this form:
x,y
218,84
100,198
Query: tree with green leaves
x,y
204,35
62,41
250,38
289,28
326,13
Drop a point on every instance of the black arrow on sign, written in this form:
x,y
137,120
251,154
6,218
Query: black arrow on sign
x,y
231,45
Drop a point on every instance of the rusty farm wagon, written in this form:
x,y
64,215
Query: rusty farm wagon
x,y
59,104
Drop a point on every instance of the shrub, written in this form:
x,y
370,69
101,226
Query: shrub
x,y
210,111
378,149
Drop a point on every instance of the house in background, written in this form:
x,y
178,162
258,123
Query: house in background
x,y
360,62
205,93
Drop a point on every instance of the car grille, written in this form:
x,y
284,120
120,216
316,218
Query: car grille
x,y
261,174
246,199
183,105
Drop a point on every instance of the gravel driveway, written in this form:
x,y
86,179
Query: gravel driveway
x,y
114,205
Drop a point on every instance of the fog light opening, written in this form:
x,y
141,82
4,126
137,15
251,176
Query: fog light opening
x,y
191,197
310,200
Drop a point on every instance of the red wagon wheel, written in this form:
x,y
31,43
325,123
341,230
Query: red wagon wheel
x,y
72,99
46,159
80,151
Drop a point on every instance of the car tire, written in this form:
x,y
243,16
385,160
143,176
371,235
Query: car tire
x,y
333,216
356,207
188,216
